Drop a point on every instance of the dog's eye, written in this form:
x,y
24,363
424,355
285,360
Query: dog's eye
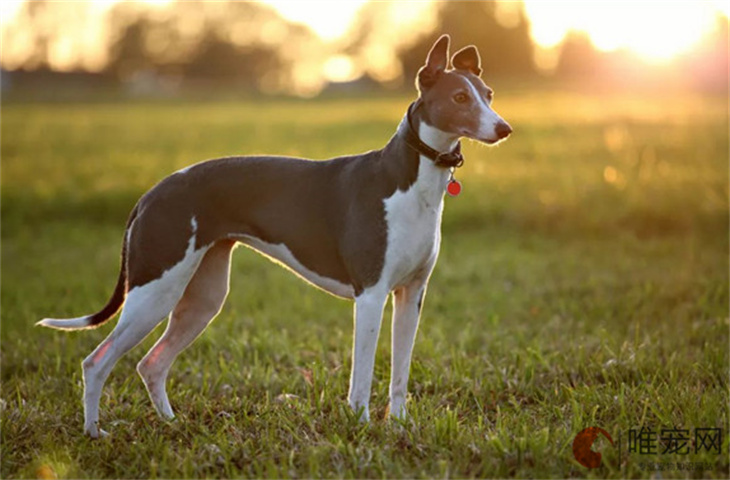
x,y
461,97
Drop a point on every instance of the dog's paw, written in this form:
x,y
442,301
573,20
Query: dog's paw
x,y
360,414
166,413
398,418
396,411
95,432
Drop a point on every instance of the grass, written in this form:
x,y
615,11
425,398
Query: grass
x,y
583,280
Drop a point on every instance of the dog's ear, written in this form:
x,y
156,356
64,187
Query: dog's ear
x,y
437,62
468,59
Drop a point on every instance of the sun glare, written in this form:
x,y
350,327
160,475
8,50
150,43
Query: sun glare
x,y
656,31
327,18
340,68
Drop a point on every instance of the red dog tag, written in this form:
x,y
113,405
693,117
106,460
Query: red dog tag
x,y
454,187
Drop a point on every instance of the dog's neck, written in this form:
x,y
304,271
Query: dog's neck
x,y
433,137
431,179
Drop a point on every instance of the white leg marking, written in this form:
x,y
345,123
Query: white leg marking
x,y
368,316
145,307
199,305
406,313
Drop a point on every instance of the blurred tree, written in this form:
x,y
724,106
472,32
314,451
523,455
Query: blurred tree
x,y
378,32
578,58
37,37
128,53
36,11
506,50
242,43
217,59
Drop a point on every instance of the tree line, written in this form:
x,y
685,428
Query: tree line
x,y
250,46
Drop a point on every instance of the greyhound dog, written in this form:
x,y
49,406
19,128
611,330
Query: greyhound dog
x,y
358,227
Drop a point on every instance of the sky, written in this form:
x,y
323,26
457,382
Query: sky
x,y
620,24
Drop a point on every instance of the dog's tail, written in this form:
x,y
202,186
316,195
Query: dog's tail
x,y
115,302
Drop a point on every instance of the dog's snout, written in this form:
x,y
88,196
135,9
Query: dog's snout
x,y
503,129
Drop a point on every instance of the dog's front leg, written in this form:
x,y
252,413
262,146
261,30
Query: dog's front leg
x,y
368,316
406,312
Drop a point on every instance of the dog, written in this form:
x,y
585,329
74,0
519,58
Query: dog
x,y
358,227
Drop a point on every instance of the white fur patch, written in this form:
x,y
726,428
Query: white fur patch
x,y
167,290
488,118
279,253
184,170
414,227
488,122
77,323
368,317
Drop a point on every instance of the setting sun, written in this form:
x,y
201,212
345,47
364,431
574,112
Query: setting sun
x,y
656,31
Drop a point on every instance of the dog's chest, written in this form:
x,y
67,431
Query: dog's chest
x,y
413,219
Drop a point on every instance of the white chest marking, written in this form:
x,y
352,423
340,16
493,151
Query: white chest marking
x,y
279,253
413,218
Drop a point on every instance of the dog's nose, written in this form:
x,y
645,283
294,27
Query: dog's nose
x,y
503,129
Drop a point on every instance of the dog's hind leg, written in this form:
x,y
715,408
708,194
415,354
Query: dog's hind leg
x,y
199,305
146,306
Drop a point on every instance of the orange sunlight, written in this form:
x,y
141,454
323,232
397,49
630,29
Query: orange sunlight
x,y
657,31
328,19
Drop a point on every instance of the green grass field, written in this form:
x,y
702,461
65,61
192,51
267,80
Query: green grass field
x,y
583,281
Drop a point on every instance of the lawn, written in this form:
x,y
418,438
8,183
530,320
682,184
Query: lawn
x,y
582,281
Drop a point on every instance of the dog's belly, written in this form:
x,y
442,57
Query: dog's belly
x,y
280,253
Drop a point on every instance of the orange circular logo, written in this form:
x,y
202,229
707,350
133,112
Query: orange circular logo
x,y
583,443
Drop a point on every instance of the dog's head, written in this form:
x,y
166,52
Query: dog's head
x,y
457,101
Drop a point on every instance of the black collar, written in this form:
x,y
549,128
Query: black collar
x,y
452,159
